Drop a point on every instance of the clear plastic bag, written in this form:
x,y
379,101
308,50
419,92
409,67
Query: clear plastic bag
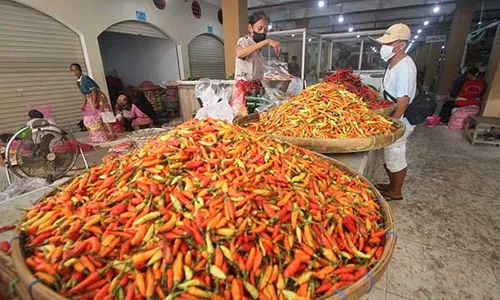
x,y
215,99
22,185
295,87
276,70
275,96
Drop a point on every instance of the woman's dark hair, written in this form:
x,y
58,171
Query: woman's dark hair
x,y
76,65
5,137
35,114
257,16
473,71
144,105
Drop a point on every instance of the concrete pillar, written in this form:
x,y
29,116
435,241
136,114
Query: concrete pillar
x,y
93,60
431,65
457,37
421,56
235,16
491,98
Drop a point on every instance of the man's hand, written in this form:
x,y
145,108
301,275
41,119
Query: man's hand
x,y
276,45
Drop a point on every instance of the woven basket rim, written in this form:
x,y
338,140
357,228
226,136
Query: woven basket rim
x,y
334,145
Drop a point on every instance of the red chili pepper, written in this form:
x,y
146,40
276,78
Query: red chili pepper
x,y
124,249
130,291
194,164
350,223
4,246
41,238
347,277
86,282
119,209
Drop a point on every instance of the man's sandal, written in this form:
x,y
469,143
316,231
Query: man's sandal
x,y
382,187
390,198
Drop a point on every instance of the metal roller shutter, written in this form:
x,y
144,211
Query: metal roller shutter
x,y
35,54
206,57
137,28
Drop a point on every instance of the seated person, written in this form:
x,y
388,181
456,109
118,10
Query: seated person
x,y
35,117
465,93
122,112
142,112
293,67
42,137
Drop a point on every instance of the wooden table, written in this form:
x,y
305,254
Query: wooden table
x,y
473,124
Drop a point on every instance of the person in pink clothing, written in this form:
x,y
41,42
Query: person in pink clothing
x,y
143,114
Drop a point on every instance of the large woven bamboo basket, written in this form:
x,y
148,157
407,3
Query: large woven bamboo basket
x,y
366,283
354,291
328,146
10,285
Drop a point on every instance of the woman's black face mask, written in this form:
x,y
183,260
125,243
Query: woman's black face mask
x,y
259,37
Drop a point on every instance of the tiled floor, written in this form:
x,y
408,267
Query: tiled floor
x,y
448,225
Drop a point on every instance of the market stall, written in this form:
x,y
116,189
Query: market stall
x,y
354,50
293,43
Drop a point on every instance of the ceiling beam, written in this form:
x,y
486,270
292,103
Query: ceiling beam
x,y
267,6
487,15
384,25
347,8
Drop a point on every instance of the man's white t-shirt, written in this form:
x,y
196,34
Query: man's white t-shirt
x,y
401,81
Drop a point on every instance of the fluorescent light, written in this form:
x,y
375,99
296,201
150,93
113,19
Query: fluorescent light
x,y
436,9
419,31
270,26
341,18
412,41
442,47
479,23
358,36
321,3
310,40
351,29
426,23
416,37
293,35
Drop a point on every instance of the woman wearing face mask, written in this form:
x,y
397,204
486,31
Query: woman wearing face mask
x,y
249,61
399,85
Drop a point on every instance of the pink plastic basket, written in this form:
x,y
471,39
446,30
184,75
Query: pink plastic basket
x,y
457,119
433,121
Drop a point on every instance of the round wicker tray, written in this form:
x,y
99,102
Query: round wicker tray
x,y
327,146
354,291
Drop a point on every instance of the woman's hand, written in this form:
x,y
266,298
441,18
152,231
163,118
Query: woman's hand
x,y
276,46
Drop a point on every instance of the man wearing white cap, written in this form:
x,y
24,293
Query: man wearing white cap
x,y
399,85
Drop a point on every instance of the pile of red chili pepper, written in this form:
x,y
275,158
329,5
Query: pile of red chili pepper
x,y
353,84
207,211
379,104
323,111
